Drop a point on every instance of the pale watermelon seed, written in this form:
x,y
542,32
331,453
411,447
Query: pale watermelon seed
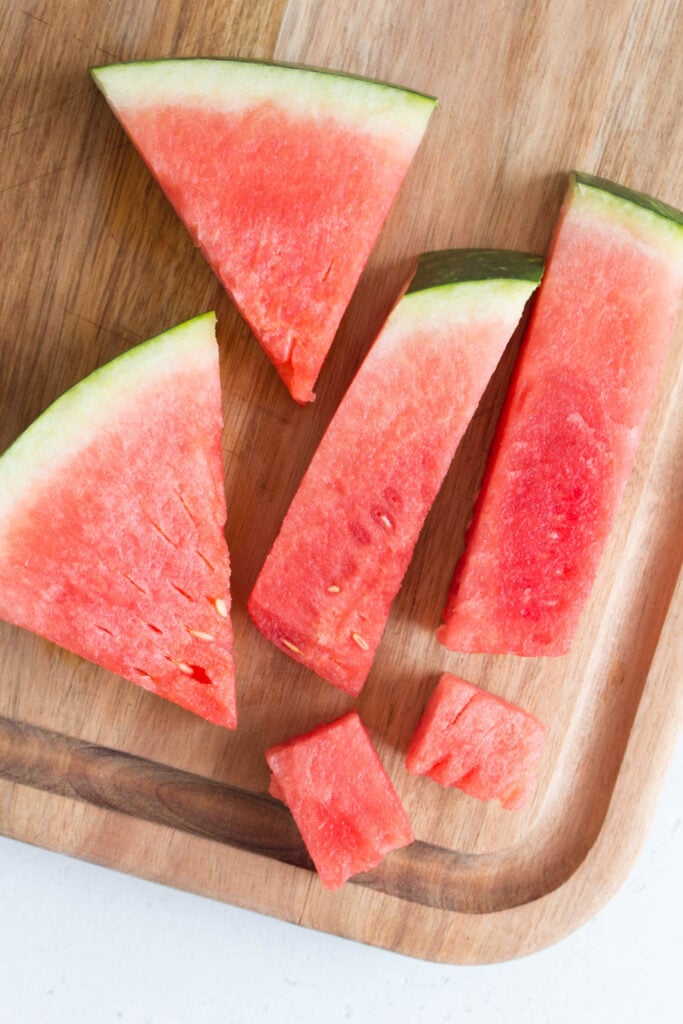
x,y
182,665
290,646
333,589
361,641
221,607
387,521
200,634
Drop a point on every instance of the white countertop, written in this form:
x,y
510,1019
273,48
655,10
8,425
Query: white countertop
x,y
84,945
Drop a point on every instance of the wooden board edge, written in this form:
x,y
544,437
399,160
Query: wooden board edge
x,y
467,938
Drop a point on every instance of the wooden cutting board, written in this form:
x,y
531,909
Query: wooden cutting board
x,y
93,260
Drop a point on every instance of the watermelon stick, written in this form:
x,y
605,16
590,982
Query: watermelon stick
x,y
282,175
585,379
112,513
325,591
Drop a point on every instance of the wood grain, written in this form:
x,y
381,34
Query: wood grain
x,y
92,260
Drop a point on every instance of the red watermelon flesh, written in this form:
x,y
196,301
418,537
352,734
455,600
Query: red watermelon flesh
x,y
283,176
586,376
112,513
325,591
477,742
341,798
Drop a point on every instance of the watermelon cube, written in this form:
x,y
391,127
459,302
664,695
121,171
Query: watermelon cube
x,y
325,591
586,376
342,799
477,742
283,176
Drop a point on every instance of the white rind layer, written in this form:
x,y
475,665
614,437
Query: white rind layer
x,y
648,229
376,109
461,302
73,420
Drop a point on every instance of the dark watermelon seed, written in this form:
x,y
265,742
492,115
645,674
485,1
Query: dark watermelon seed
x,y
136,585
206,561
162,534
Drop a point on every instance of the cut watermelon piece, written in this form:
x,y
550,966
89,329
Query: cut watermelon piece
x,y
341,798
586,377
479,743
283,176
325,591
112,513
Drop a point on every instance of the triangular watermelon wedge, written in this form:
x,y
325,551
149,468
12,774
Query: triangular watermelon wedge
x,y
282,175
112,513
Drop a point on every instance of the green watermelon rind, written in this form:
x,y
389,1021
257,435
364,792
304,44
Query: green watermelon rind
x,y
366,104
461,285
76,417
648,219
454,266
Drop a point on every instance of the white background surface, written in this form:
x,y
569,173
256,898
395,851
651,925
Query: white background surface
x,y
83,945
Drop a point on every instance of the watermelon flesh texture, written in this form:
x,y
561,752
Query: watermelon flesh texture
x,y
112,514
477,742
283,177
341,798
586,376
325,591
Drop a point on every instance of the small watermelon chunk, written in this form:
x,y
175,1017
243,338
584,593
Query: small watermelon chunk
x,y
112,513
341,798
477,742
283,176
567,440
325,591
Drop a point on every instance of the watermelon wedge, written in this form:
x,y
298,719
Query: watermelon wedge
x,y
112,513
480,743
587,374
341,798
282,175
325,591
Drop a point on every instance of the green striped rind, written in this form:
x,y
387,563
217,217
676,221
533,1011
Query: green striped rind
x,y
228,84
455,266
648,219
74,419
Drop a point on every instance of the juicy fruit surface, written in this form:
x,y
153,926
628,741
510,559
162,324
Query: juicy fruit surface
x,y
477,742
567,440
325,591
285,206
341,798
117,552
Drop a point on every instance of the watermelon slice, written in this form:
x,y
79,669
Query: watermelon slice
x,y
111,523
341,798
586,377
325,591
283,176
479,743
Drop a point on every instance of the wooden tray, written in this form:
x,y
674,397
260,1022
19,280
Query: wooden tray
x,y
94,260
